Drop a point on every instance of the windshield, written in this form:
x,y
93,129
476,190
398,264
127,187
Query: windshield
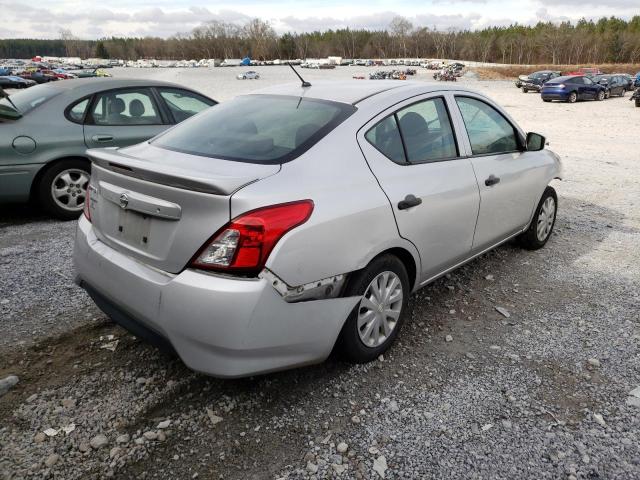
x,y
257,128
26,100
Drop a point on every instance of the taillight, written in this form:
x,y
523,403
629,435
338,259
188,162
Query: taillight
x,y
87,203
244,244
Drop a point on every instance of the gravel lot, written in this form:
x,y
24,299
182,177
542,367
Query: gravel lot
x,y
466,392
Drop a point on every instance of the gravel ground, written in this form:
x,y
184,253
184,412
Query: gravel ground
x,y
466,392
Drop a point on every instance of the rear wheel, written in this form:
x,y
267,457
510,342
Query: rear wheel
x,y
543,221
383,288
525,90
63,188
573,97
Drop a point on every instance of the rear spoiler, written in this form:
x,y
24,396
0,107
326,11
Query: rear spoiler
x,y
115,161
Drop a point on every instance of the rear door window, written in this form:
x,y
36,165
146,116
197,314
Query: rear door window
x,y
489,132
125,107
427,132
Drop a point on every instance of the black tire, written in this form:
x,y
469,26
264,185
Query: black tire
x,y
524,90
601,96
546,100
573,97
637,102
349,345
530,239
44,188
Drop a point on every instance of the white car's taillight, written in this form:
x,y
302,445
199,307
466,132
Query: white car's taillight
x,y
244,244
87,202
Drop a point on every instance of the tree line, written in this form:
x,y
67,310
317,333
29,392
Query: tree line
x,y
607,40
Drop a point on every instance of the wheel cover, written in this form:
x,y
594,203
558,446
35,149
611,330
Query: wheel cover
x,y
69,189
546,217
380,309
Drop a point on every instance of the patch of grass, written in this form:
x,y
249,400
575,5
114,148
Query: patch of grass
x,y
508,72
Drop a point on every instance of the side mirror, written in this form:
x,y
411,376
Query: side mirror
x,y
535,142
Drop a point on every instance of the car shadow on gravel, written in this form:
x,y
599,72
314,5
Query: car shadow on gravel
x,y
18,214
461,304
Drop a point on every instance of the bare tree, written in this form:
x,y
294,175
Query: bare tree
x,y
261,36
401,28
70,42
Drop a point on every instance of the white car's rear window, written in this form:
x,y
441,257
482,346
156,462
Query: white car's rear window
x,y
256,128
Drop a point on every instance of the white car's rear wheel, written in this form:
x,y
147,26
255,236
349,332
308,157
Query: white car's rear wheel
x,y
383,288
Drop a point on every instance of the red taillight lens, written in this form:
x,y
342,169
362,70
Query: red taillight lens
x,y
244,244
87,203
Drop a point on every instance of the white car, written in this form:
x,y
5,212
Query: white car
x,y
268,230
250,75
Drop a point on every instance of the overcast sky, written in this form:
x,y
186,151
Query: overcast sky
x,y
95,19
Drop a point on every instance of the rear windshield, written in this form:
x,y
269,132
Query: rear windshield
x,y
256,128
26,100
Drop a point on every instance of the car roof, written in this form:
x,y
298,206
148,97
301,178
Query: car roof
x,y
85,86
351,92
565,77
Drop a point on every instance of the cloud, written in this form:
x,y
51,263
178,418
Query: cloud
x,y
596,3
90,19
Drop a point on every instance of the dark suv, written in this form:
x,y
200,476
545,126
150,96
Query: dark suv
x,y
535,81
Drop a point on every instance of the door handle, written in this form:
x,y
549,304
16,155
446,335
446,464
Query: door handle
x,y
102,138
492,180
408,202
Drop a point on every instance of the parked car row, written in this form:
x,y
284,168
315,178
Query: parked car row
x,y
579,87
585,84
30,76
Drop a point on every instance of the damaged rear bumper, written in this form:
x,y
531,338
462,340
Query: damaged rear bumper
x,y
219,325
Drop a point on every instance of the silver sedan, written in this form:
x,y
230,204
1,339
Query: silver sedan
x,y
265,232
45,132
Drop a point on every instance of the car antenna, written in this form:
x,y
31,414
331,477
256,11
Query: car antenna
x,y
304,82
4,94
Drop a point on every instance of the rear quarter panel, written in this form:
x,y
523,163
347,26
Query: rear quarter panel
x,y
352,221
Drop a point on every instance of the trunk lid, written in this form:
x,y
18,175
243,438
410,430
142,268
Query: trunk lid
x,y
160,206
